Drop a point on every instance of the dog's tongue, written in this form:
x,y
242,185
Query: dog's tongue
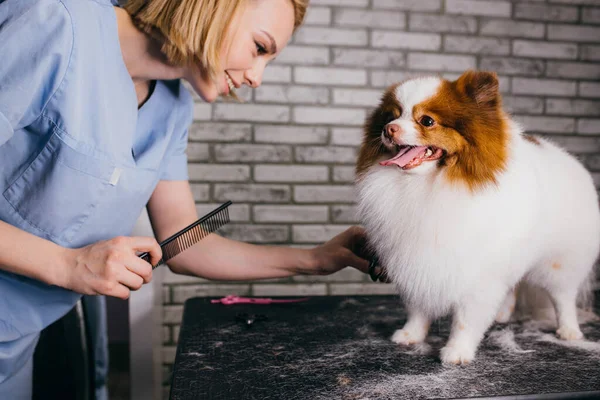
x,y
405,156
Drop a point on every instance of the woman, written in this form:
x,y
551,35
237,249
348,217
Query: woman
x,y
93,127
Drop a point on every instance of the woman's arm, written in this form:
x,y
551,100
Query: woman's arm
x,y
28,255
109,267
172,207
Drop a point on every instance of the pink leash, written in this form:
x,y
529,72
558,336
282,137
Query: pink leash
x,y
228,300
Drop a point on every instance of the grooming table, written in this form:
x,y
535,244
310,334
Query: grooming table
x,y
336,347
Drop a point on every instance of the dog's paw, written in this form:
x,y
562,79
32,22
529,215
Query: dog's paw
x,y
568,333
457,354
407,337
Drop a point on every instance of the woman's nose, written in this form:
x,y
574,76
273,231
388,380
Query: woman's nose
x,y
253,77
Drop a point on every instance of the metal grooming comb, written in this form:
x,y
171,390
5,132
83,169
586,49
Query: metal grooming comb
x,y
191,234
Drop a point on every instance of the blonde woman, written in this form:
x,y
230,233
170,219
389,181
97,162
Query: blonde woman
x,y
93,127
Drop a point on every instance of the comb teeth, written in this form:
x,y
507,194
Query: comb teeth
x,y
192,234
195,234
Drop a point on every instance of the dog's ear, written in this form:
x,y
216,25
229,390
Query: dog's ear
x,y
481,86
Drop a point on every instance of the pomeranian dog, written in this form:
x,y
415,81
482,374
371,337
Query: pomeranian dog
x,y
460,205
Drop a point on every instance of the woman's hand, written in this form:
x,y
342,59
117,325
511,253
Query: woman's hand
x,y
346,249
111,267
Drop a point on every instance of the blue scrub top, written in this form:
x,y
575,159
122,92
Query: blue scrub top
x,y
78,160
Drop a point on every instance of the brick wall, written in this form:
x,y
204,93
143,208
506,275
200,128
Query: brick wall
x,y
286,156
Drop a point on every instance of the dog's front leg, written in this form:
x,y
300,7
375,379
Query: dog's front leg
x,y
414,331
471,319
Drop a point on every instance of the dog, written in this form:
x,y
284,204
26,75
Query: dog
x,y
460,206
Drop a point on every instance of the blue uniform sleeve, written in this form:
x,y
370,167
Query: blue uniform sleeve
x,y
175,165
36,39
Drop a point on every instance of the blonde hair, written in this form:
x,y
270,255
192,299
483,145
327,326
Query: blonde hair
x,y
193,30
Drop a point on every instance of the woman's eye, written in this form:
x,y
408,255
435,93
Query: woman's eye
x,y
427,121
260,49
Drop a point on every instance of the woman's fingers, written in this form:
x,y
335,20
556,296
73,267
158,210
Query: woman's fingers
x,y
382,275
147,244
139,267
359,263
359,243
361,256
120,291
134,271
130,279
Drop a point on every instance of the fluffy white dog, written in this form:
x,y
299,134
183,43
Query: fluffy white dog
x,y
460,206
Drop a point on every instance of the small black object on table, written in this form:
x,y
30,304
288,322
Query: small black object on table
x,y
335,347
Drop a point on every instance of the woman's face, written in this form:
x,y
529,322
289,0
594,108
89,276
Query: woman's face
x,y
254,38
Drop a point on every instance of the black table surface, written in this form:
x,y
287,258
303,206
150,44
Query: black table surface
x,y
336,347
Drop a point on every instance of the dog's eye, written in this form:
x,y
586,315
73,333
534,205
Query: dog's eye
x,y
427,121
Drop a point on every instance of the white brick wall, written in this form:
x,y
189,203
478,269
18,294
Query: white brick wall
x,y
286,156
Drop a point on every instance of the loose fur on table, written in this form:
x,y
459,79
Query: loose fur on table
x,y
339,348
461,206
